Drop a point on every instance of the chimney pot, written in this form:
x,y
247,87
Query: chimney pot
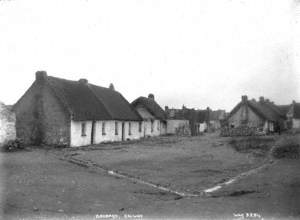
x,y
83,81
151,96
244,98
261,99
41,75
111,86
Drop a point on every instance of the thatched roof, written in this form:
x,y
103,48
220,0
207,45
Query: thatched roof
x,y
151,105
86,101
265,110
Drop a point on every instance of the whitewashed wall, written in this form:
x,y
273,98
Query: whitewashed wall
x,y
296,123
173,124
202,127
156,128
78,140
7,125
163,128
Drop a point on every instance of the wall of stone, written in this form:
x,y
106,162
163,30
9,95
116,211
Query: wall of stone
x,y
40,119
27,127
55,120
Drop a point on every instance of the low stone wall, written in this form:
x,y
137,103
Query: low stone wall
x,y
240,131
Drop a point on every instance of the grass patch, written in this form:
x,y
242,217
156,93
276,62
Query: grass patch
x,y
259,145
287,147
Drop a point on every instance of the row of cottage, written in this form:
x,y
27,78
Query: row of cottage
x,y
55,111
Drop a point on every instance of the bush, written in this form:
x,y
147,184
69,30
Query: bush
x,y
287,148
12,145
247,144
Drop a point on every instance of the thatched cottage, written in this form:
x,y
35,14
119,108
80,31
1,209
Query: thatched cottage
x,y
154,118
57,111
7,124
263,115
293,115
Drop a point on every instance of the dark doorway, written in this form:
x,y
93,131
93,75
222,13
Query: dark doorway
x,y
123,131
93,133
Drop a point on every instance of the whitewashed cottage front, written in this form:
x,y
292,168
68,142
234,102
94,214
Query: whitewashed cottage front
x,y
154,117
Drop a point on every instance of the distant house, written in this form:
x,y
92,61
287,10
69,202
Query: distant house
x,y
154,118
293,115
197,120
176,122
215,119
7,124
263,115
57,111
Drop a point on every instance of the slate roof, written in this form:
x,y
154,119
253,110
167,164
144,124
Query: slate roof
x,y
86,101
151,105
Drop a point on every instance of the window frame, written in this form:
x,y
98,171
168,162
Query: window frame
x,y
103,128
140,126
116,128
83,129
152,126
129,128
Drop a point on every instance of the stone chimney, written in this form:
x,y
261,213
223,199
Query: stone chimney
x,y
40,76
293,102
83,81
261,99
166,108
244,98
151,96
111,86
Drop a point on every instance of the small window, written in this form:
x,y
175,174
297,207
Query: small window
x,y
140,126
116,128
129,128
83,129
158,125
103,128
152,125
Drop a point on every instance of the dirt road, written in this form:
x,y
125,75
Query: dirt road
x,y
37,183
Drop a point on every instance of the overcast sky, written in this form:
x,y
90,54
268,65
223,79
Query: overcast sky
x,y
194,52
